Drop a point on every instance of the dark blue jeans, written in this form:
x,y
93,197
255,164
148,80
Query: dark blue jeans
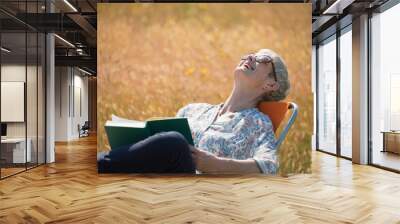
x,y
165,152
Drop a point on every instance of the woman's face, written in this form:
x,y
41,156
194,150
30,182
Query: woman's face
x,y
253,74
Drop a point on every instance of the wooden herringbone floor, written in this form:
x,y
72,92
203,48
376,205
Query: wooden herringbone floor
x,y
71,191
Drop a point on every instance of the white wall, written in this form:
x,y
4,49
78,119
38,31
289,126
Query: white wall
x,y
61,103
14,73
71,94
80,115
17,73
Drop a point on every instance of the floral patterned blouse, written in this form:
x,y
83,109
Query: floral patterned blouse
x,y
240,135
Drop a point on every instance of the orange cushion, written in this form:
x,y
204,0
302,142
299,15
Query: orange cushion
x,y
276,111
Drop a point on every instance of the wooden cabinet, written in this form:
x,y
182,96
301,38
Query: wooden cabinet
x,y
391,141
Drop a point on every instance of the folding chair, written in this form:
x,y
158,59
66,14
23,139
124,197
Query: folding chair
x,y
277,111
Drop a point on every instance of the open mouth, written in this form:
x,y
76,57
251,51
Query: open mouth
x,y
248,66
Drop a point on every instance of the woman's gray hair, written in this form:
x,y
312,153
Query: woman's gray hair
x,y
281,76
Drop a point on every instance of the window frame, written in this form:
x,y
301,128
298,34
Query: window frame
x,y
337,35
381,9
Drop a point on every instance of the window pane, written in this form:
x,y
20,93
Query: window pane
x,y
31,97
41,98
385,88
345,94
14,151
327,96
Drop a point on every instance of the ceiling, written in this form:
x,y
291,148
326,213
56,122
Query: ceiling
x,y
330,15
72,20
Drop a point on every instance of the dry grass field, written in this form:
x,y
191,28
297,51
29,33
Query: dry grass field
x,y
155,58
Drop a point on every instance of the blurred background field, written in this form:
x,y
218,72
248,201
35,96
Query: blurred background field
x,y
155,58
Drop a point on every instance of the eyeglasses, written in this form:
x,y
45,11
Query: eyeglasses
x,y
262,58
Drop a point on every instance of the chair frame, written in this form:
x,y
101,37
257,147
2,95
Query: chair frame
x,y
83,131
294,108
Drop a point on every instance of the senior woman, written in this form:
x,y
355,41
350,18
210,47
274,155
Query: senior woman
x,y
230,137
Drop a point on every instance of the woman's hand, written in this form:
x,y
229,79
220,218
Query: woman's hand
x,y
205,161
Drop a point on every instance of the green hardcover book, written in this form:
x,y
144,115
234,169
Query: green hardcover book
x,y
123,132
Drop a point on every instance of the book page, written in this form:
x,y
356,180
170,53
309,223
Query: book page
x,y
159,118
123,122
116,118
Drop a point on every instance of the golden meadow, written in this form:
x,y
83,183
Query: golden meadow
x,y
155,58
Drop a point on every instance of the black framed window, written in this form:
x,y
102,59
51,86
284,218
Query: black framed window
x,y
326,91
384,86
22,77
334,93
345,93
